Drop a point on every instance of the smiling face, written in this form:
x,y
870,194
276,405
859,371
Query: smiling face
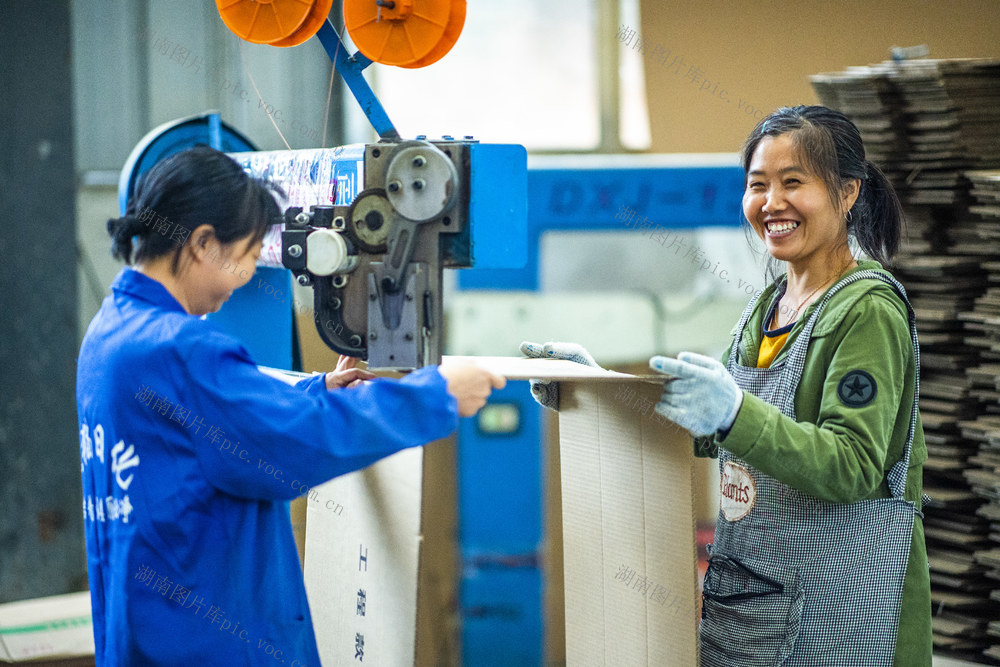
x,y
790,207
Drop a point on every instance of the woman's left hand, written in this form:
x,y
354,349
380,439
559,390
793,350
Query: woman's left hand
x,y
700,396
347,374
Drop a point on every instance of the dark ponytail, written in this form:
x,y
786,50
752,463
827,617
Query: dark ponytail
x,y
830,145
121,231
880,216
191,188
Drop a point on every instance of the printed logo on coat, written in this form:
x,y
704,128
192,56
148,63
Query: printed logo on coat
x,y
856,389
738,490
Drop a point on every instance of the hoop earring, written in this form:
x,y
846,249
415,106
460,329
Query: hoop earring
x,y
850,217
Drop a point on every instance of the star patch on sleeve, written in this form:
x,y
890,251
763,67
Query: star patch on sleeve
x,y
856,389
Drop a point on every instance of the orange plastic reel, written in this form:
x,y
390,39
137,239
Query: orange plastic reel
x,y
315,20
451,34
269,21
405,33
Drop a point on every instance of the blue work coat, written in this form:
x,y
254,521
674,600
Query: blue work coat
x,y
189,455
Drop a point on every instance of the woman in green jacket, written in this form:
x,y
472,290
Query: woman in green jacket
x,y
819,555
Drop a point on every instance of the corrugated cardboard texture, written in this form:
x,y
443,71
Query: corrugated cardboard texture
x,y
372,547
555,607
628,529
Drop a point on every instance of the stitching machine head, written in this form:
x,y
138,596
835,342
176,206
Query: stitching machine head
x,y
375,265
371,227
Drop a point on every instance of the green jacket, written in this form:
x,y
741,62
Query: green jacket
x,y
838,453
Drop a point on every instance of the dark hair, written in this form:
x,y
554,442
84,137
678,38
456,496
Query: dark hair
x,y
830,146
191,188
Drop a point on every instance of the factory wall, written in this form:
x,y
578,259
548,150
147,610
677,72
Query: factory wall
x,y
757,57
41,534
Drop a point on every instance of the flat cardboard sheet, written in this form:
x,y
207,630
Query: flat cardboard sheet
x,y
522,368
52,627
361,562
630,559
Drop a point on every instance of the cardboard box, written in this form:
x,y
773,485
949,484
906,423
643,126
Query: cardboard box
x,y
629,554
55,628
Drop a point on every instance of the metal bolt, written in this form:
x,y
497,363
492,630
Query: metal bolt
x,y
295,250
339,223
303,280
409,297
419,161
408,336
335,303
419,184
394,186
373,297
355,341
302,218
372,336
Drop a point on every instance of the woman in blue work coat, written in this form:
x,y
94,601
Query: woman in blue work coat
x,y
819,554
189,453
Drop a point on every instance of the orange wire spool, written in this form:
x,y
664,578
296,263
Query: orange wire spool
x,y
405,33
451,33
315,20
272,21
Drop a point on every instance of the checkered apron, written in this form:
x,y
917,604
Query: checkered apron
x,y
796,580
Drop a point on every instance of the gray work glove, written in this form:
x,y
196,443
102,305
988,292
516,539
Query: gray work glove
x,y
546,392
701,395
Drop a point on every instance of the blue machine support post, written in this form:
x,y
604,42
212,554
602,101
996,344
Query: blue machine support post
x,y
350,68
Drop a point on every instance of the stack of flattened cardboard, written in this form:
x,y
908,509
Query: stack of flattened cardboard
x,y
983,327
923,121
869,98
942,118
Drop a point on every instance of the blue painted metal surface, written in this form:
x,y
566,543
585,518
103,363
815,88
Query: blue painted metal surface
x,y
498,205
260,315
500,536
174,137
502,621
350,68
499,482
590,199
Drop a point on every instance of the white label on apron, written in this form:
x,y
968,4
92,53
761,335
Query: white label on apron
x,y
738,490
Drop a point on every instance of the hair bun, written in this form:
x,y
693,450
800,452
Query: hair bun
x,y
121,230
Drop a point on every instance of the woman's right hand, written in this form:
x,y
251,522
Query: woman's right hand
x,y
347,375
470,385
